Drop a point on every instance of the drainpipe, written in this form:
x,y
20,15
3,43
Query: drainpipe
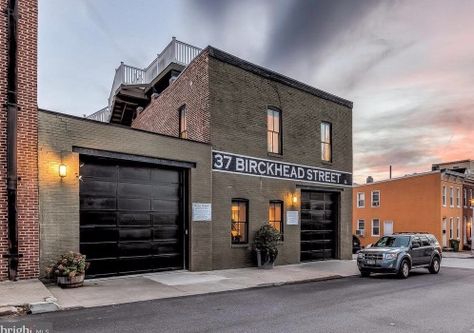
x,y
12,118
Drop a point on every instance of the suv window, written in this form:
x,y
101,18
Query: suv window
x,y
391,241
416,240
432,239
425,241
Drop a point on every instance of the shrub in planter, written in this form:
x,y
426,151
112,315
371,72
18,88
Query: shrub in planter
x,y
454,244
265,245
69,270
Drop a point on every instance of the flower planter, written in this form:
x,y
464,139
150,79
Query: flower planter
x,y
70,282
264,262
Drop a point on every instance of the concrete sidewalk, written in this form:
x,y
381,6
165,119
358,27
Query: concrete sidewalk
x,y
127,289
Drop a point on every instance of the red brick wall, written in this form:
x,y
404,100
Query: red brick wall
x,y
190,89
27,202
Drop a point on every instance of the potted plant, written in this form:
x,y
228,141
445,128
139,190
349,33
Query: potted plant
x,y
454,244
265,245
69,270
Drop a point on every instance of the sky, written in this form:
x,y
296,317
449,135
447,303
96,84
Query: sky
x,y
408,66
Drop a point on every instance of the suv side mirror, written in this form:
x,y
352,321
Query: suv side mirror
x,y
415,245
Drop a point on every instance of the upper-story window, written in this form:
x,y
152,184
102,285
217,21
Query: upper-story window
x,y
444,196
465,197
470,197
360,199
326,141
274,130
451,197
183,125
458,197
375,198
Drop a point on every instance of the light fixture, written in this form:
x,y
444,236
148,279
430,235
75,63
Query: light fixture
x,y
62,170
294,198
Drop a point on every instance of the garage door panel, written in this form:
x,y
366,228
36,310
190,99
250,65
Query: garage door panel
x,y
163,176
134,249
134,234
134,219
131,218
165,206
106,218
99,188
132,190
99,250
133,204
97,203
98,234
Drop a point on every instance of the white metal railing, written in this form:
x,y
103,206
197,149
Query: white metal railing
x,y
102,115
176,51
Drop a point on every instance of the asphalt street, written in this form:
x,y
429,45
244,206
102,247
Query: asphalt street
x,y
422,303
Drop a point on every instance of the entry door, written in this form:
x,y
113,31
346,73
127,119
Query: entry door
x,y
131,217
445,243
387,228
319,225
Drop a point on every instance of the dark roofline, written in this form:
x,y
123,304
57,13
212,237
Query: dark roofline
x,y
56,113
453,162
274,76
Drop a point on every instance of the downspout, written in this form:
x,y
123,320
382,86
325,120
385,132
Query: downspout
x,y
12,119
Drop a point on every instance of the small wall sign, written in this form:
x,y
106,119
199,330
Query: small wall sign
x,y
292,217
202,211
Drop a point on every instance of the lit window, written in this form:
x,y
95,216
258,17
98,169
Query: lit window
x,y
360,200
444,196
375,198
275,215
274,131
183,125
326,142
375,227
239,226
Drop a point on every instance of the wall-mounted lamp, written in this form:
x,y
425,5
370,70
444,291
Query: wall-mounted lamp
x,y
294,198
62,170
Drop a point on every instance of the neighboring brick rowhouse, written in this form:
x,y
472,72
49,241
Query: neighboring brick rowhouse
x,y
27,202
190,89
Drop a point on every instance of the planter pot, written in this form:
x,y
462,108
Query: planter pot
x,y
264,262
70,282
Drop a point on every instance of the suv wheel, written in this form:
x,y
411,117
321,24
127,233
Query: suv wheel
x,y
434,266
364,273
404,270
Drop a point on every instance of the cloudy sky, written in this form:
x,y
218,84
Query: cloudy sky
x,y
408,66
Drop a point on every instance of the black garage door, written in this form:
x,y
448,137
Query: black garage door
x,y
131,217
318,225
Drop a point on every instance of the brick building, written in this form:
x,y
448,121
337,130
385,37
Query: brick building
x,y
18,94
437,202
194,153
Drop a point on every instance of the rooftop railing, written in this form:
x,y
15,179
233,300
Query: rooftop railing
x,y
176,51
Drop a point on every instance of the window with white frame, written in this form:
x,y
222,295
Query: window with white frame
x,y
375,198
444,196
360,228
451,197
451,228
360,199
458,197
375,227
465,197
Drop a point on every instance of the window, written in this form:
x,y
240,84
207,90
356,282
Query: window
x,y
470,197
375,198
360,200
240,225
458,228
360,228
425,241
274,131
375,227
326,141
183,125
451,227
444,196
458,197
275,215
451,197
465,197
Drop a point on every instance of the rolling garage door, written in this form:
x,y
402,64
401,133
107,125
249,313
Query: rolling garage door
x,y
318,225
131,217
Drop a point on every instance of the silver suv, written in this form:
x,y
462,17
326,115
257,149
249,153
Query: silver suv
x,y
399,253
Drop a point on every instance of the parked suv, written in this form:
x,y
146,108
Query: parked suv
x,y
399,253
